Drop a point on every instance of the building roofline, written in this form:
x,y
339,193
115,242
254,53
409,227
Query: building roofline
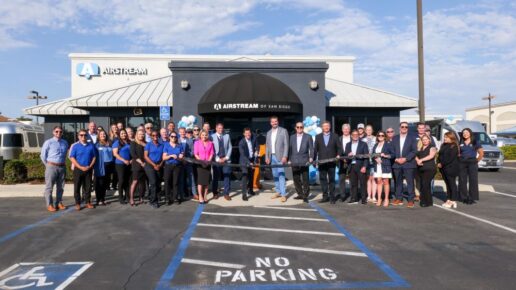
x,y
374,89
492,106
215,57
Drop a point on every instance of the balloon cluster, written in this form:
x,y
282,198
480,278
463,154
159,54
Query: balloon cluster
x,y
187,122
311,125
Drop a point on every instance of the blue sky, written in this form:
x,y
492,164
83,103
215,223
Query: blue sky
x,y
470,46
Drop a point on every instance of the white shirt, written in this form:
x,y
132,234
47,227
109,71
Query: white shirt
x,y
345,141
274,133
250,147
402,142
93,137
354,146
299,137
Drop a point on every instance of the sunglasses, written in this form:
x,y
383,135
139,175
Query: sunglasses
x,y
299,127
390,131
82,135
404,127
173,136
154,135
148,127
381,136
58,132
196,129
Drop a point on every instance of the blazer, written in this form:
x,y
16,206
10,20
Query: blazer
x,y
387,149
449,159
334,148
408,151
227,145
281,145
306,150
361,149
243,149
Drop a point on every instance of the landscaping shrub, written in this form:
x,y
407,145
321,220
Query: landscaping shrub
x,y
509,152
15,171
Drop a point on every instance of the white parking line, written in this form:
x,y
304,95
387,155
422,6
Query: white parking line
x,y
262,245
211,263
265,216
479,219
513,168
501,193
284,208
271,229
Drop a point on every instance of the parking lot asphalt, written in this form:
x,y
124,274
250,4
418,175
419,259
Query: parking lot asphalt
x,y
302,246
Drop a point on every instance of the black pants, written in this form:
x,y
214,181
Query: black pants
x,y
357,181
300,176
102,182
124,175
154,177
327,179
172,181
450,180
82,179
247,180
113,177
425,180
468,175
343,174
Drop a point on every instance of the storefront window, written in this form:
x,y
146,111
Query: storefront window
x,y
70,131
134,122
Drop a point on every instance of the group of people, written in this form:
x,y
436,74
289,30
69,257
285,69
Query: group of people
x,y
191,160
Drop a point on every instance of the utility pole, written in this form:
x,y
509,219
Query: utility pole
x,y
421,65
36,97
489,98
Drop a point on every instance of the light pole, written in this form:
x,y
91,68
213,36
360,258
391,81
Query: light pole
x,y
36,97
489,98
420,61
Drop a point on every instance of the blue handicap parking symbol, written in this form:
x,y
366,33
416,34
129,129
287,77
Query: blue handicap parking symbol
x,y
164,113
41,275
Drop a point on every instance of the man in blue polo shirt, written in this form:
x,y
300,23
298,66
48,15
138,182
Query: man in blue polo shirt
x,y
153,154
53,155
83,158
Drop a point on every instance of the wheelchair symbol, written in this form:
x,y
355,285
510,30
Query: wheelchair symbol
x,y
41,275
31,279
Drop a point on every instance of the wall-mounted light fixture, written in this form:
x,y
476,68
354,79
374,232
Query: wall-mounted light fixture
x,y
313,85
185,85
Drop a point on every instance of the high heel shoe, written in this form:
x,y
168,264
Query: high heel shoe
x,y
447,204
453,204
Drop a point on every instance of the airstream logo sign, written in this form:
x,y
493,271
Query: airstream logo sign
x,y
235,106
89,70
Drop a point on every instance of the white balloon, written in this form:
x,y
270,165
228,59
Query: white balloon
x,y
314,119
184,119
191,119
318,130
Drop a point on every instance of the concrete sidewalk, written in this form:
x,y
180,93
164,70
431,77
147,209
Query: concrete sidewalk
x,y
263,198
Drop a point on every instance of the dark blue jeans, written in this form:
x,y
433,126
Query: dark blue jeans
x,y
221,172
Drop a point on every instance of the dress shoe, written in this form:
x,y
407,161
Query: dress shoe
x,y
154,205
397,202
324,199
89,205
61,206
352,201
251,193
276,195
332,201
364,201
78,207
305,200
283,199
410,204
215,196
51,208
298,197
227,197
244,198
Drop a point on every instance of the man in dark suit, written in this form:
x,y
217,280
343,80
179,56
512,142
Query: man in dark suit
x,y
357,167
343,165
404,165
327,146
248,148
301,151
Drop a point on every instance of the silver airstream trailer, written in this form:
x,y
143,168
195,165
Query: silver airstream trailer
x,y
16,138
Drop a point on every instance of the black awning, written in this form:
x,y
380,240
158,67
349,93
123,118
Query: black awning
x,y
250,92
